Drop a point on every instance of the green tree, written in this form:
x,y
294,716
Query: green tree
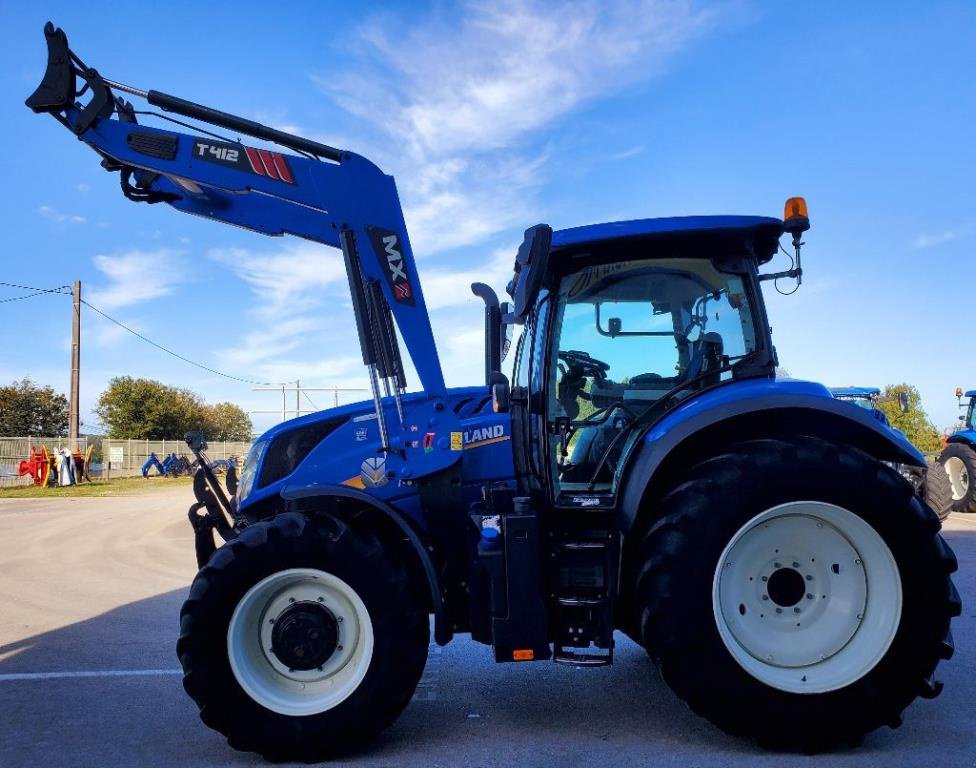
x,y
226,421
27,409
148,409
914,422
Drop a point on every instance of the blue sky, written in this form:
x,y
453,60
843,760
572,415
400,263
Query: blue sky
x,y
493,119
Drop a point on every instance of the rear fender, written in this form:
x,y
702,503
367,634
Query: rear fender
x,y
442,626
688,435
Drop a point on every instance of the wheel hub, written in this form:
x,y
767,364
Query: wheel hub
x,y
786,587
304,636
958,477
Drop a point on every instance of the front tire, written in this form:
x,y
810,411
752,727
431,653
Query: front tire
x,y
959,463
302,638
835,540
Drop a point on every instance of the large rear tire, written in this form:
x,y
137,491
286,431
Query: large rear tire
x,y
835,540
959,462
938,490
302,638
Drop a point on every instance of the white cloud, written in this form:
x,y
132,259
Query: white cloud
x,y
627,153
53,214
136,276
301,306
456,119
931,240
83,188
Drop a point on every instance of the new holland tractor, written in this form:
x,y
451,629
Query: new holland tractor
x,y
642,471
958,458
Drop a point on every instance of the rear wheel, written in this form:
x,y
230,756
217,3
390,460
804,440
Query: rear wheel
x,y
797,592
302,638
938,490
959,462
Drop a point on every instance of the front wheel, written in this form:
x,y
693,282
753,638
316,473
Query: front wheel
x,y
797,592
302,638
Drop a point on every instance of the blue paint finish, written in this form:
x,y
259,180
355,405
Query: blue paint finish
x,y
486,453
964,436
971,393
738,397
326,198
646,227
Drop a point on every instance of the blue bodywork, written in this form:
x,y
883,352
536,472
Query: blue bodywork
x,y
338,459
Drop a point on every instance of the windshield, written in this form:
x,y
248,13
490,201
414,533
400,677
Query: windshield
x,y
626,335
862,401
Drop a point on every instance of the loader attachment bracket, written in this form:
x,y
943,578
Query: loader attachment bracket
x,y
58,88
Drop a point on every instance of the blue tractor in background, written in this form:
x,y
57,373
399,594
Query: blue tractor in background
x,y
863,397
958,458
642,471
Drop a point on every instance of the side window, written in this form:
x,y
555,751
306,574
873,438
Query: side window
x,y
520,369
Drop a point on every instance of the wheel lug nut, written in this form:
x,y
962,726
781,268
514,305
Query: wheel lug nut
x,y
809,577
777,565
809,596
339,619
796,610
796,564
765,597
779,610
765,578
291,599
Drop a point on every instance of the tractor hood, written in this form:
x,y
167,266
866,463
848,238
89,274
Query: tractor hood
x,y
340,446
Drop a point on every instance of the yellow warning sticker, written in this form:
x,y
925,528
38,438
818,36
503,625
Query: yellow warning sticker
x,y
457,441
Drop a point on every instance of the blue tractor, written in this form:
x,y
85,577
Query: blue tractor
x,y
958,458
642,471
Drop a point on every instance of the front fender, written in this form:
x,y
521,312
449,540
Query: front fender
x,y
751,409
964,437
442,626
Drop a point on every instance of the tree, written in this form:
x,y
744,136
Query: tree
x,y
148,409
226,421
145,409
27,409
915,423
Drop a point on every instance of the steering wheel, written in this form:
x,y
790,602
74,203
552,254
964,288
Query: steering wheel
x,y
581,364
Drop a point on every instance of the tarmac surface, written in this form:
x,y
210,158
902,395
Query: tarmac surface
x,y
90,592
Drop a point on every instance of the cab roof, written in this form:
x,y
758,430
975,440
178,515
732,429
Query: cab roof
x,y
731,231
971,393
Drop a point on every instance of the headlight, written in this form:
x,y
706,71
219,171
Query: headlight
x,y
250,470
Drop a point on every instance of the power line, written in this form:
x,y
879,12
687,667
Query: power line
x,y
32,288
37,291
310,401
171,352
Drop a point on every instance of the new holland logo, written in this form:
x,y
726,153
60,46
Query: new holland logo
x,y
373,472
484,435
389,250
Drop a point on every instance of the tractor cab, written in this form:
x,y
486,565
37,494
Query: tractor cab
x,y
629,321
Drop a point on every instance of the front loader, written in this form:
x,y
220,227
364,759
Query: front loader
x,y
643,471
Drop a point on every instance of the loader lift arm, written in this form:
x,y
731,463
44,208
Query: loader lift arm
x,y
323,194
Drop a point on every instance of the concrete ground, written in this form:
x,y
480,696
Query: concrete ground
x,y
90,592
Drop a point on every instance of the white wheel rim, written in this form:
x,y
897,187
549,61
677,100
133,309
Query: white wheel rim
x,y
270,682
845,617
958,477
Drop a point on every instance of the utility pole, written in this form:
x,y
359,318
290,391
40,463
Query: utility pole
x,y
75,365
298,398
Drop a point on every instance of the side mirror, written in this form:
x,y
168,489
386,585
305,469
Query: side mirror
x,y
903,401
501,393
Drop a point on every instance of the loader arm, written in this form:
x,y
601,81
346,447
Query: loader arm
x,y
326,195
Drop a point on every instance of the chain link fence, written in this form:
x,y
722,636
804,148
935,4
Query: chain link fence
x,y
14,450
123,458
113,458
